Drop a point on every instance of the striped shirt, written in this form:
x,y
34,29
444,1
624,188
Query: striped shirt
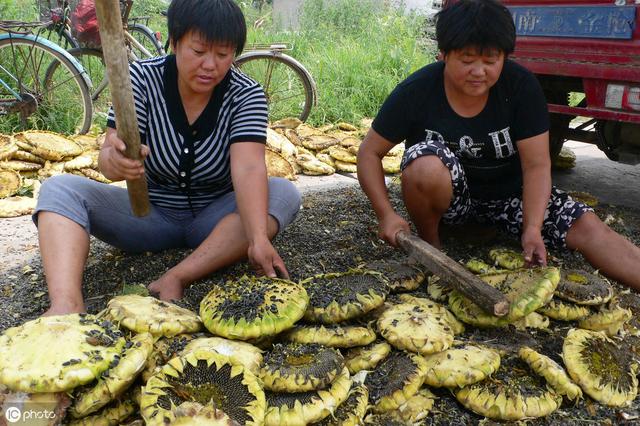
x,y
189,165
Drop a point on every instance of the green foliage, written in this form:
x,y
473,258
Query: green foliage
x,y
356,50
19,10
151,9
575,98
148,7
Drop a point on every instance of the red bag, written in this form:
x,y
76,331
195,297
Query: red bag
x,y
84,24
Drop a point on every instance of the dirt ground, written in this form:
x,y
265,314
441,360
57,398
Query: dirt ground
x,y
335,230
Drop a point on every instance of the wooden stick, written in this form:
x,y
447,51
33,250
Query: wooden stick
x,y
488,298
115,55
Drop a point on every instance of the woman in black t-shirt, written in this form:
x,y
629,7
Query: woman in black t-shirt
x,y
476,127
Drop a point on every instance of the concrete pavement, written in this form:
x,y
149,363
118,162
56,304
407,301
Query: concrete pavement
x,y
611,182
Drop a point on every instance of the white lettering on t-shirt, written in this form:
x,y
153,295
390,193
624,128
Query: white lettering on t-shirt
x,y
429,136
499,145
468,149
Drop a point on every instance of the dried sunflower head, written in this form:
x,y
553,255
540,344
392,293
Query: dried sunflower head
x,y
148,314
340,296
583,288
79,348
606,372
366,357
526,290
252,307
335,336
416,328
513,392
461,366
396,379
302,408
553,373
117,379
506,258
352,410
300,367
211,380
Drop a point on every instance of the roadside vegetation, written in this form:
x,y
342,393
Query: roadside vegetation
x,y
356,50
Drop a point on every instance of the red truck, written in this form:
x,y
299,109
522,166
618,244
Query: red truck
x,y
586,55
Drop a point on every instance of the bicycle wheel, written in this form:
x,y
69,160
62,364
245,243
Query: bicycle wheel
x,y
47,76
289,87
147,38
93,63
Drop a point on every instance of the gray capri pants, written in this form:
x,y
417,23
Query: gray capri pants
x,y
104,211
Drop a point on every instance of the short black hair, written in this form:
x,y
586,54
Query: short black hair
x,y
218,21
484,24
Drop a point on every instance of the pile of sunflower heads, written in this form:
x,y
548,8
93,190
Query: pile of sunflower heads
x,y
297,148
28,158
367,345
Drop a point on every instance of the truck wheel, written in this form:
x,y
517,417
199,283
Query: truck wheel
x,y
558,125
608,138
620,141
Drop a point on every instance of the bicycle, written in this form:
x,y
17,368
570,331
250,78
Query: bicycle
x,y
138,28
59,29
142,43
288,86
58,17
41,85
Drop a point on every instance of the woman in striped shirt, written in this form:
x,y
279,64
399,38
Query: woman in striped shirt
x,y
203,126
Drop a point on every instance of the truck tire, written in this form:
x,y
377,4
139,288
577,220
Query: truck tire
x,y
558,125
620,141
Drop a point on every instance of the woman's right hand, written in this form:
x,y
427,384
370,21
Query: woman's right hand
x,y
113,163
390,225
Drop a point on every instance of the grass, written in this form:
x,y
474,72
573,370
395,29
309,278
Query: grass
x,y
356,50
19,10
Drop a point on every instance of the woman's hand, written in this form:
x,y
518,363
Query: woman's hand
x,y
113,163
390,225
533,249
266,260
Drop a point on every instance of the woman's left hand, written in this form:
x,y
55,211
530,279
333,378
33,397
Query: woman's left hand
x,y
266,260
533,248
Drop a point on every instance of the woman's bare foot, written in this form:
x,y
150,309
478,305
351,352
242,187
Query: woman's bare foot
x,y
64,309
166,288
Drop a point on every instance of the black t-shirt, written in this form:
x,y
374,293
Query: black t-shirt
x,y
417,111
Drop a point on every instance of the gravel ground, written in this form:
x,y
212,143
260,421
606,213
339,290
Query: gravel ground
x,y
335,230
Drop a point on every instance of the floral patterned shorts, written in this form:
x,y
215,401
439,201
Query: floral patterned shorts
x,y
506,213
